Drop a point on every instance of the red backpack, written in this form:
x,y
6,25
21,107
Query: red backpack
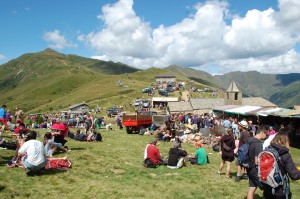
x,y
269,170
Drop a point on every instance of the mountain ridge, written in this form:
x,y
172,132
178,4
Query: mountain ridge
x,y
49,80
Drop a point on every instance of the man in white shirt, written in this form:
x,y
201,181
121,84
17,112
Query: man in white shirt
x,y
33,154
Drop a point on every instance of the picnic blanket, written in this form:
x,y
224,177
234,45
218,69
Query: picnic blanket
x,y
53,163
58,163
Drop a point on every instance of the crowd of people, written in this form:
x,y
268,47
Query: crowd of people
x,y
237,133
33,154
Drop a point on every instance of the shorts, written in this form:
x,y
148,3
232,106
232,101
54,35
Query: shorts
x,y
193,160
32,167
253,178
3,121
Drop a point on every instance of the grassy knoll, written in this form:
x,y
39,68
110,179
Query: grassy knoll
x,y
113,169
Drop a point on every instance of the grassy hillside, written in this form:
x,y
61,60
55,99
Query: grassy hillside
x,y
113,169
51,81
197,75
253,83
288,96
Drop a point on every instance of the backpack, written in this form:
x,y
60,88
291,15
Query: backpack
x,y
243,156
269,170
98,137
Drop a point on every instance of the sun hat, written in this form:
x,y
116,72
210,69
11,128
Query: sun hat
x,y
243,124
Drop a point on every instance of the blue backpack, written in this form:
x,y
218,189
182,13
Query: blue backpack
x,y
243,156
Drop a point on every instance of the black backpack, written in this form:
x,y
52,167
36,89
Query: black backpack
x,y
98,137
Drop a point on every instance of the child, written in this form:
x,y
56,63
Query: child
x,y
50,146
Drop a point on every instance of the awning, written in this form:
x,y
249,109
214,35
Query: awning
x,y
281,112
239,110
165,99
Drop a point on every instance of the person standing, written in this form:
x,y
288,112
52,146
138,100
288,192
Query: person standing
x,y
119,122
89,123
2,118
255,147
8,116
19,115
244,135
226,124
281,144
227,143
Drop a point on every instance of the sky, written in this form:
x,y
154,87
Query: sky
x,y
213,36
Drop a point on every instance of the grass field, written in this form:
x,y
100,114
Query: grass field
x,y
113,169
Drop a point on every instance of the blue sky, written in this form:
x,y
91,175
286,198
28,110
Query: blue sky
x,y
214,36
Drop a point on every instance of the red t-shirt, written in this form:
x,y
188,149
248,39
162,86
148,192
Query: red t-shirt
x,y
153,153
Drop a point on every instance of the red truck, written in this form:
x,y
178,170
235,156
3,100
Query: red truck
x,y
134,123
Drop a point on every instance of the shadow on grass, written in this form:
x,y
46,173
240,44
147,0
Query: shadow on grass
x,y
256,196
77,149
47,172
4,160
2,187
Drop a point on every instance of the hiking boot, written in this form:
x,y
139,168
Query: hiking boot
x,y
245,176
145,165
238,178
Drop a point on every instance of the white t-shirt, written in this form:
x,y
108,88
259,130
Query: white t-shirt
x,y
267,142
35,152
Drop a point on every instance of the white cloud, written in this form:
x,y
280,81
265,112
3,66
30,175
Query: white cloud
x,y
260,40
257,35
288,17
2,57
285,63
57,41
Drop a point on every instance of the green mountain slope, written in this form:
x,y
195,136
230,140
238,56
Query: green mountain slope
x,y
253,83
55,79
48,80
196,75
279,89
288,96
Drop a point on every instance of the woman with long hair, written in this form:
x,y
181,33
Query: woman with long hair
x,y
227,146
281,144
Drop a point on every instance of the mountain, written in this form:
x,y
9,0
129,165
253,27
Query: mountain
x,y
48,80
288,96
51,78
196,75
281,89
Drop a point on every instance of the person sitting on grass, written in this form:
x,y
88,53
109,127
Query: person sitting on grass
x,y
51,146
152,155
200,157
176,156
33,154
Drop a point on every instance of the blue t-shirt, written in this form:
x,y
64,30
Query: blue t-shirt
x,y
226,124
2,113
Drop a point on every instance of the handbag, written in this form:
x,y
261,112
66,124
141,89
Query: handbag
x,y
226,148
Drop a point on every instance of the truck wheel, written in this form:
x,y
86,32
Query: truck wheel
x,y
129,129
